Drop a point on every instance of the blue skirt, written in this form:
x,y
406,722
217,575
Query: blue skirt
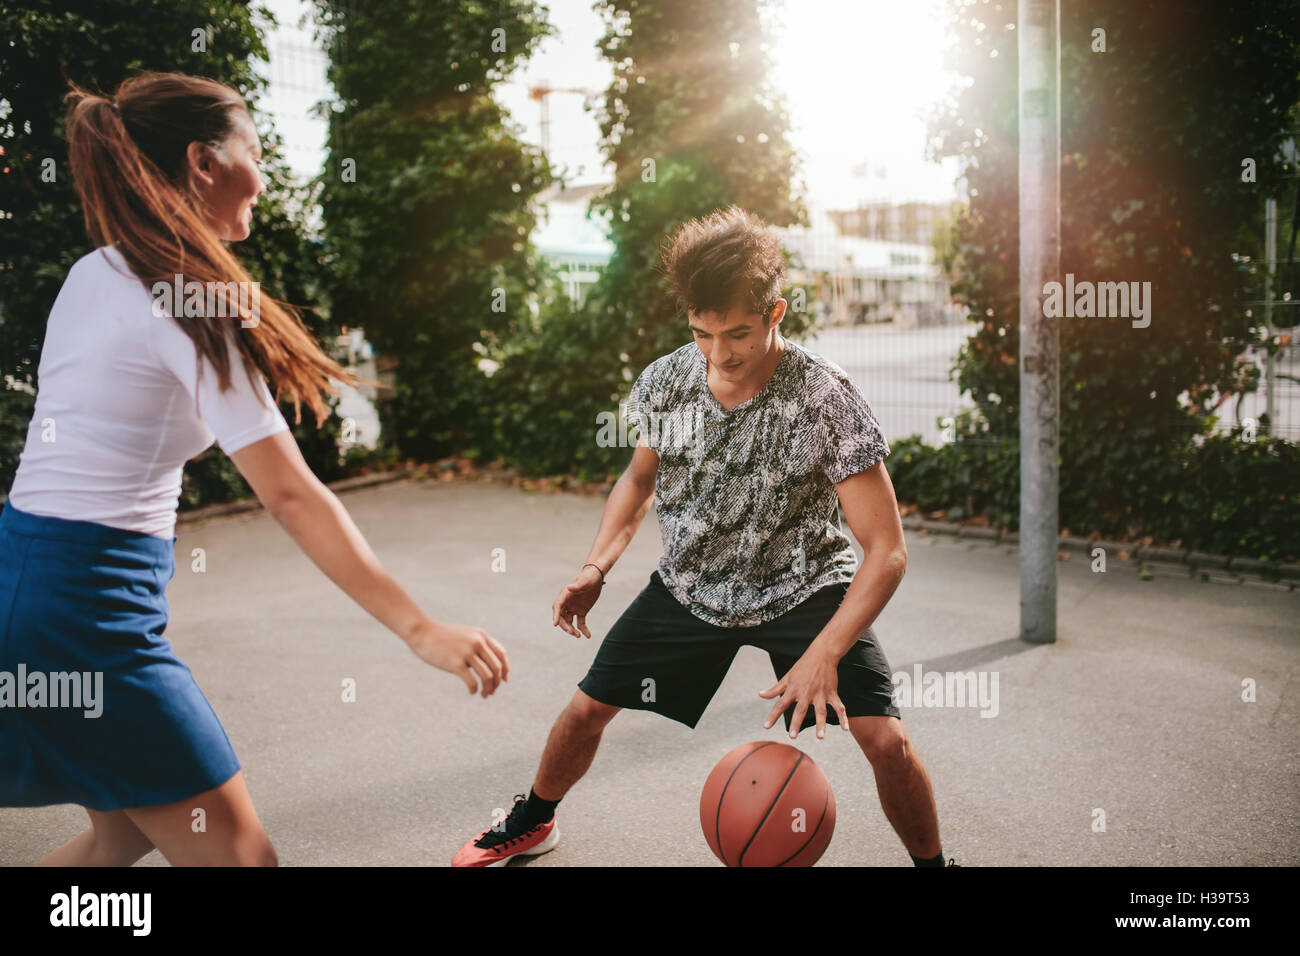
x,y
95,707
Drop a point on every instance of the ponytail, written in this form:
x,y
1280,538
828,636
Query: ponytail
x,y
128,160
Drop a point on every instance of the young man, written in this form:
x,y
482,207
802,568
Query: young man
x,y
745,440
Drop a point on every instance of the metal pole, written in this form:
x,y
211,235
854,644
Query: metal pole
x,y
1270,365
1040,262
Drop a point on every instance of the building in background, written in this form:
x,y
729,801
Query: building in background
x,y
853,279
888,275
571,238
910,222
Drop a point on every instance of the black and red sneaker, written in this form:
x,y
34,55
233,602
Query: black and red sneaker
x,y
509,838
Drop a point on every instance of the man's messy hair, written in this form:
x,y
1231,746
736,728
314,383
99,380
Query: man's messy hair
x,y
725,260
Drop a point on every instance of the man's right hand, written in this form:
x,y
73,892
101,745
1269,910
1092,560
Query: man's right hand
x,y
576,599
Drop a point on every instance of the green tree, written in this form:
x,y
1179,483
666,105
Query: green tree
x,y
97,44
691,124
1153,134
426,202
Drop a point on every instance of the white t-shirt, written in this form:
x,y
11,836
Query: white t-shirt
x,y
115,418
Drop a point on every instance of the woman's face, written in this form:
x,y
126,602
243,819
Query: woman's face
x,y
229,178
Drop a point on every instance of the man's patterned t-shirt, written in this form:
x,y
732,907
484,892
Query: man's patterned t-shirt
x,y
746,499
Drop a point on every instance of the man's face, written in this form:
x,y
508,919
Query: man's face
x,y
736,342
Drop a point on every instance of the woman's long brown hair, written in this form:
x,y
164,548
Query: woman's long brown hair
x,y
129,164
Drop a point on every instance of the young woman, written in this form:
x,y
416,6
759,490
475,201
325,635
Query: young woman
x,y
167,171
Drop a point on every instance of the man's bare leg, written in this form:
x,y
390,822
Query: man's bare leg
x,y
901,780
571,746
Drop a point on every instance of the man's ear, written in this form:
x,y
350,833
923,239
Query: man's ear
x,y
777,313
199,160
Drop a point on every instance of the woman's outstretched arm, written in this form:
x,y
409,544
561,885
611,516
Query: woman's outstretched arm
x,y
314,517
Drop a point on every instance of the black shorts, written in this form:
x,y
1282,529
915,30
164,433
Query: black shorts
x,y
660,657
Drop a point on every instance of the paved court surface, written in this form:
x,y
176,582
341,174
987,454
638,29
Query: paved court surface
x,y
1136,711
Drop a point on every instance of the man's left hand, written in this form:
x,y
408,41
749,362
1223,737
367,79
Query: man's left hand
x,y
811,681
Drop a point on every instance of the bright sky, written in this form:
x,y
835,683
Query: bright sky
x,y
857,76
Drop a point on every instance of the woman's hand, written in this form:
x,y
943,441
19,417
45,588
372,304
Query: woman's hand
x,y
576,599
467,652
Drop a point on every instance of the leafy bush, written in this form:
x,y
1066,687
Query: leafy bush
x,y
973,476
1235,497
1222,496
1138,203
15,413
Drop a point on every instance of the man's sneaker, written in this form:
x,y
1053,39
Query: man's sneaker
x,y
494,846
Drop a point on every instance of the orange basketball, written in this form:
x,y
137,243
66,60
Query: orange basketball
x,y
767,804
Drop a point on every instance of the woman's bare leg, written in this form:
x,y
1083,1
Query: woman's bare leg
x,y
112,840
218,827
